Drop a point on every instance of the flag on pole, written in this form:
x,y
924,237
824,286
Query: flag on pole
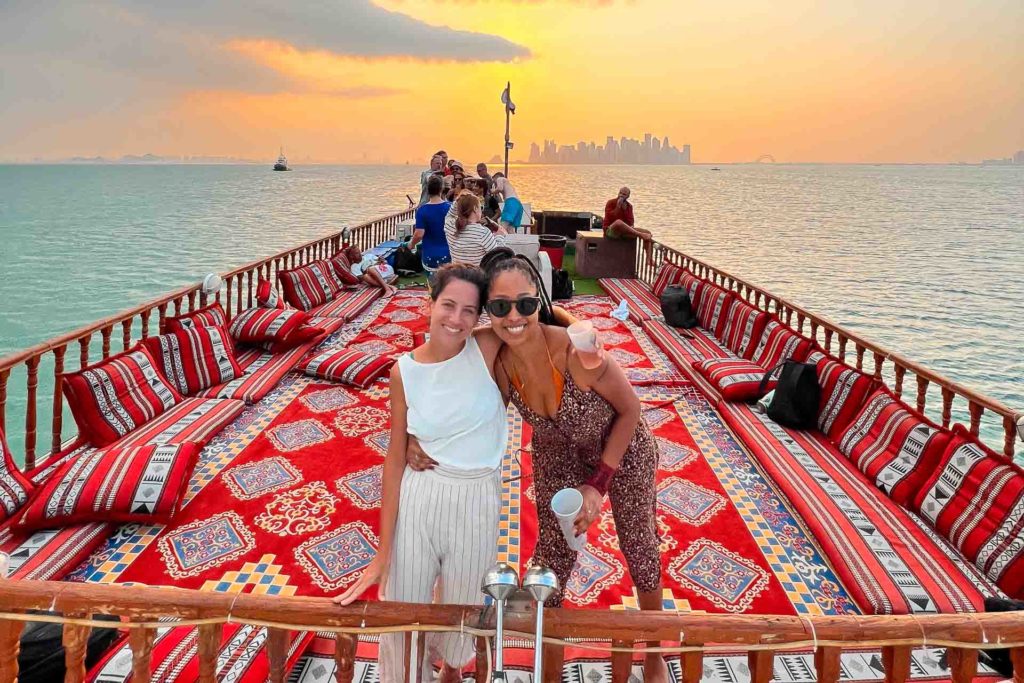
x,y
507,101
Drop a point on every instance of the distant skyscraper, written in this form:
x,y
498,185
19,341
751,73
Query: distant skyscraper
x,y
625,150
686,154
1018,158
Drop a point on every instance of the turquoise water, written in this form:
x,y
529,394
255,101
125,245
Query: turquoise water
x,y
928,260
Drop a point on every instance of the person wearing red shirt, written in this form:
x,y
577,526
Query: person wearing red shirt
x,y
619,222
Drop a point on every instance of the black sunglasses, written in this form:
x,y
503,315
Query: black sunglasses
x,y
526,305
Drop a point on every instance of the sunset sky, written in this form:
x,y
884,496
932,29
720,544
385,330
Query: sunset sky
x,y
394,80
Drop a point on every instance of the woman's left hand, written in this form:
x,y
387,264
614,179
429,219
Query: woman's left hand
x,y
592,503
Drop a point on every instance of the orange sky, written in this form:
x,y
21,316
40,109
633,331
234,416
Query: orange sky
x,y
869,81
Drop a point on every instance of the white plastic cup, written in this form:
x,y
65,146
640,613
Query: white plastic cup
x,y
566,505
583,336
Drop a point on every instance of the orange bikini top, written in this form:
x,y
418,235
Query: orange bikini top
x,y
556,378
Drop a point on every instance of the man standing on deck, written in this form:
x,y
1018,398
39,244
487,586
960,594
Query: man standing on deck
x,y
619,222
489,202
435,168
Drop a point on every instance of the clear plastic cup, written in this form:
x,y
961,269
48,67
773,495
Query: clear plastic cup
x,y
583,337
566,505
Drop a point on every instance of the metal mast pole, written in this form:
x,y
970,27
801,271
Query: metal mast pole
x,y
508,91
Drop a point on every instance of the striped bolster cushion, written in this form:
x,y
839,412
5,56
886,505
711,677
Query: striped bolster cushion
x,y
347,366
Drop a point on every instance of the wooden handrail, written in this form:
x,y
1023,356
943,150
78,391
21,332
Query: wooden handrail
x,y
689,635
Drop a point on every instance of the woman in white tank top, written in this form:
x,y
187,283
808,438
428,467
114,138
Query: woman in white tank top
x,y
441,523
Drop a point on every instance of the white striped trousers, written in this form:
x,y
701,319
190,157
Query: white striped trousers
x,y
447,529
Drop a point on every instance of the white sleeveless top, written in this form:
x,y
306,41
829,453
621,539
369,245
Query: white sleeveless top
x,y
455,409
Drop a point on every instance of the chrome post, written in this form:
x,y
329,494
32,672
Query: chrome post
x,y
499,582
542,584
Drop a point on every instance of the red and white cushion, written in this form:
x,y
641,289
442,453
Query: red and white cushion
x,y
348,366
642,303
208,316
304,334
117,395
195,358
735,379
713,308
975,499
743,328
50,554
258,325
893,446
267,296
843,393
668,274
15,488
310,286
130,484
342,269
779,343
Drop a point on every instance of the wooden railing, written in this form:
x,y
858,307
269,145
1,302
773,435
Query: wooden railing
x,y
895,370
687,636
119,332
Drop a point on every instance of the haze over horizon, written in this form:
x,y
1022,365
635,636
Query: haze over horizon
x,y
362,80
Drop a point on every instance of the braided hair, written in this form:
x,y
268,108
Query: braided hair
x,y
503,260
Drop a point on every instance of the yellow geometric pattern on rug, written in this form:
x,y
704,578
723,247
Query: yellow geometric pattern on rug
x,y
775,554
511,493
669,603
264,576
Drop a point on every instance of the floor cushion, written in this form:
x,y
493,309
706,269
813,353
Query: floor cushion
x,y
893,446
639,298
889,560
258,325
342,269
208,316
267,296
843,392
779,343
975,499
309,286
15,487
347,366
743,328
194,358
735,379
116,396
50,554
122,484
349,304
713,308
194,420
668,274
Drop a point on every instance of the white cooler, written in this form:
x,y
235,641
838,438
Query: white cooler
x,y
529,246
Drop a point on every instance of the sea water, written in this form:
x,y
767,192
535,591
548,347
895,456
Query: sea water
x,y
926,260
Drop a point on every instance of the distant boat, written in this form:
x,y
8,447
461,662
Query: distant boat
x,y
715,168
282,163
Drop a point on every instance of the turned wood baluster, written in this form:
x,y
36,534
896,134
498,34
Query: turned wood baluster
x,y
814,331
177,306
879,359
800,323
761,664
209,648
828,340
622,662
1017,659
126,334
277,653
161,312
140,640
860,357
345,657
248,277
691,664
789,316
963,664
227,300
896,662
842,348
192,300
30,412
145,323
105,334
899,371
83,353
1009,436
976,412
58,402
75,640
10,645
826,664
947,406
922,393
4,376
407,657
481,660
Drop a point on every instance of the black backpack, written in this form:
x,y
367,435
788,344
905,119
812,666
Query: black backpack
x,y
407,262
41,657
562,286
795,402
677,308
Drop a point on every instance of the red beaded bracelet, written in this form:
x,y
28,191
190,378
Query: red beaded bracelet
x,y
601,479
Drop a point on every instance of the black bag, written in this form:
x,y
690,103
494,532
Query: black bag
x,y
1000,659
41,657
407,262
677,308
562,286
795,402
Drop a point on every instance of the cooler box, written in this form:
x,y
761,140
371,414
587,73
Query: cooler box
x,y
554,247
597,256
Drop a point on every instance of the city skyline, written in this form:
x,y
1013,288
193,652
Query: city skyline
x,y
650,150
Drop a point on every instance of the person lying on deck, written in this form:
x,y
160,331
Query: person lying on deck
x,y
444,394
371,270
588,434
619,223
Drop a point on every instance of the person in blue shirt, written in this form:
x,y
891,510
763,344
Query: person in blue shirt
x,y
429,228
